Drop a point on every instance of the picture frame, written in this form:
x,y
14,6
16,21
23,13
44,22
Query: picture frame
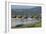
x,y
8,17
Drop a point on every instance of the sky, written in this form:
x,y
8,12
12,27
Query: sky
x,y
21,7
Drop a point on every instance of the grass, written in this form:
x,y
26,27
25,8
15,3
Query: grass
x,y
37,24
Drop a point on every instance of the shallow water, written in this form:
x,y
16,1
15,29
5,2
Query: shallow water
x,y
18,21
